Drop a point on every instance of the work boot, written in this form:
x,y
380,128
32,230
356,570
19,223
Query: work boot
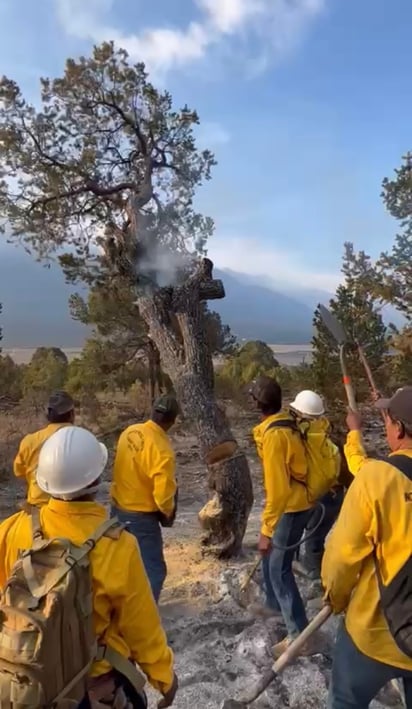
x,y
313,646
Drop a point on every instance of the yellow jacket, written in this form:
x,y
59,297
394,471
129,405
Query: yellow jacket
x,y
144,470
374,513
27,458
322,455
125,613
355,453
284,471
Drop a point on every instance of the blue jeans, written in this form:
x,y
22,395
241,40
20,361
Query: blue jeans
x,y
282,593
145,526
357,678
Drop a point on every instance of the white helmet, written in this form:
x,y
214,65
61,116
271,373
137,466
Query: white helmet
x,y
70,461
308,403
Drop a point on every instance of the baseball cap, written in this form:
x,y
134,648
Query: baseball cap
x,y
166,404
399,406
60,402
265,390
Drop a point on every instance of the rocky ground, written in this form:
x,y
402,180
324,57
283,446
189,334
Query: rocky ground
x,y
220,647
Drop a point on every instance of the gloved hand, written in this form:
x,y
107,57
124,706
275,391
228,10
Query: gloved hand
x,y
169,697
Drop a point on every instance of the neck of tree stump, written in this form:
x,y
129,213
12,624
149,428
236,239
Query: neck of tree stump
x,y
175,320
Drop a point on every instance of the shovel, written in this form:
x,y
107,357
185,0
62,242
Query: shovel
x,y
284,660
338,333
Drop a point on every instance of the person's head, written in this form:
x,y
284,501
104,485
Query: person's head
x,y
267,394
308,405
165,411
71,462
60,408
398,418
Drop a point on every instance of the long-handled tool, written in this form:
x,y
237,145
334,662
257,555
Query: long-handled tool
x,y
339,334
251,574
284,660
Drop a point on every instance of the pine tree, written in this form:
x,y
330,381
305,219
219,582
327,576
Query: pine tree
x,y
358,312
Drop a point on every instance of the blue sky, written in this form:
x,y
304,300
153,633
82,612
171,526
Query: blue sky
x,y
306,104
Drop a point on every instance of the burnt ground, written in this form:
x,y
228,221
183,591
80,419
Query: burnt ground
x,y
220,647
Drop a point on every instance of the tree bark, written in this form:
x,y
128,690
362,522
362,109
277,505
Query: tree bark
x,y
175,321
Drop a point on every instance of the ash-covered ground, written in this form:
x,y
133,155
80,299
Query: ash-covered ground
x,y
220,647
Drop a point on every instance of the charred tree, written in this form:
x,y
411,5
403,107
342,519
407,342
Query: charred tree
x,y
176,324
103,178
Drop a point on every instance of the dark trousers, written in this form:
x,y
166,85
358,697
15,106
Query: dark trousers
x,y
315,546
282,593
145,526
357,679
137,699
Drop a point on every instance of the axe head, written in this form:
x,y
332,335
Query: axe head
x,y
333,325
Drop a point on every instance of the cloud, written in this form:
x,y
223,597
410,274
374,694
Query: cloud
x,y
277,267
277,25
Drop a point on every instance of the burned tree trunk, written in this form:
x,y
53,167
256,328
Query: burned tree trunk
x,y
175,320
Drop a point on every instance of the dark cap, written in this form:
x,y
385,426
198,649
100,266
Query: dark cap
x,y
399,406
266,390
60,403
167,405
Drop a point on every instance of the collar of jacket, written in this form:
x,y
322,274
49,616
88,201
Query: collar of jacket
x,y
260,429
155,427
74,508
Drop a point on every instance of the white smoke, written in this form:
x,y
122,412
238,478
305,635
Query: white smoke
x,y
164,266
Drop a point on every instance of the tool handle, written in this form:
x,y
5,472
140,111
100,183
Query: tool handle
x,y
295,647
369,375
347,381
290,654
251,574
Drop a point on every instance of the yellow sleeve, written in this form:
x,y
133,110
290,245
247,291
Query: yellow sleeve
x,y
349,543
276,480
355,453
164,481
19,465
139,620
8,546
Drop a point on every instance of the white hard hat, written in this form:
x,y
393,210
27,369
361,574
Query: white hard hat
x,y
70,461
308,403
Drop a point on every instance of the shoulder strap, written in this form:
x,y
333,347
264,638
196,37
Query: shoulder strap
x,y
283,423
403,463
36,530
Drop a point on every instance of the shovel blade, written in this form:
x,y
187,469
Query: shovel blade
x,y
333,325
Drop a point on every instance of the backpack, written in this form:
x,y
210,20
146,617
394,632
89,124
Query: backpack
x,y
47,639
396,597
322,456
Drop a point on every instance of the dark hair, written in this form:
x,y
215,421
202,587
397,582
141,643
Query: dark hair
x,y
162,418
406,427
52,417
274,407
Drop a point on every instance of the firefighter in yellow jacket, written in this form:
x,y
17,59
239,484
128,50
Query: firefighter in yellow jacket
x,y
60,412
144,485
376,518
287,509
126,617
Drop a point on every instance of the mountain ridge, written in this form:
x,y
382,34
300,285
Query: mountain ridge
x,y
35,307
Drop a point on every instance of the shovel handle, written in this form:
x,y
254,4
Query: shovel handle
x,y
251,574
296,645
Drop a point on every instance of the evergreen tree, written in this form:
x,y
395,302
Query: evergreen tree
x,y
356,308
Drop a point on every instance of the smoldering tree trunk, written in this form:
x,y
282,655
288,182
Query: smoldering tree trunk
x,y
176,325
155,371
